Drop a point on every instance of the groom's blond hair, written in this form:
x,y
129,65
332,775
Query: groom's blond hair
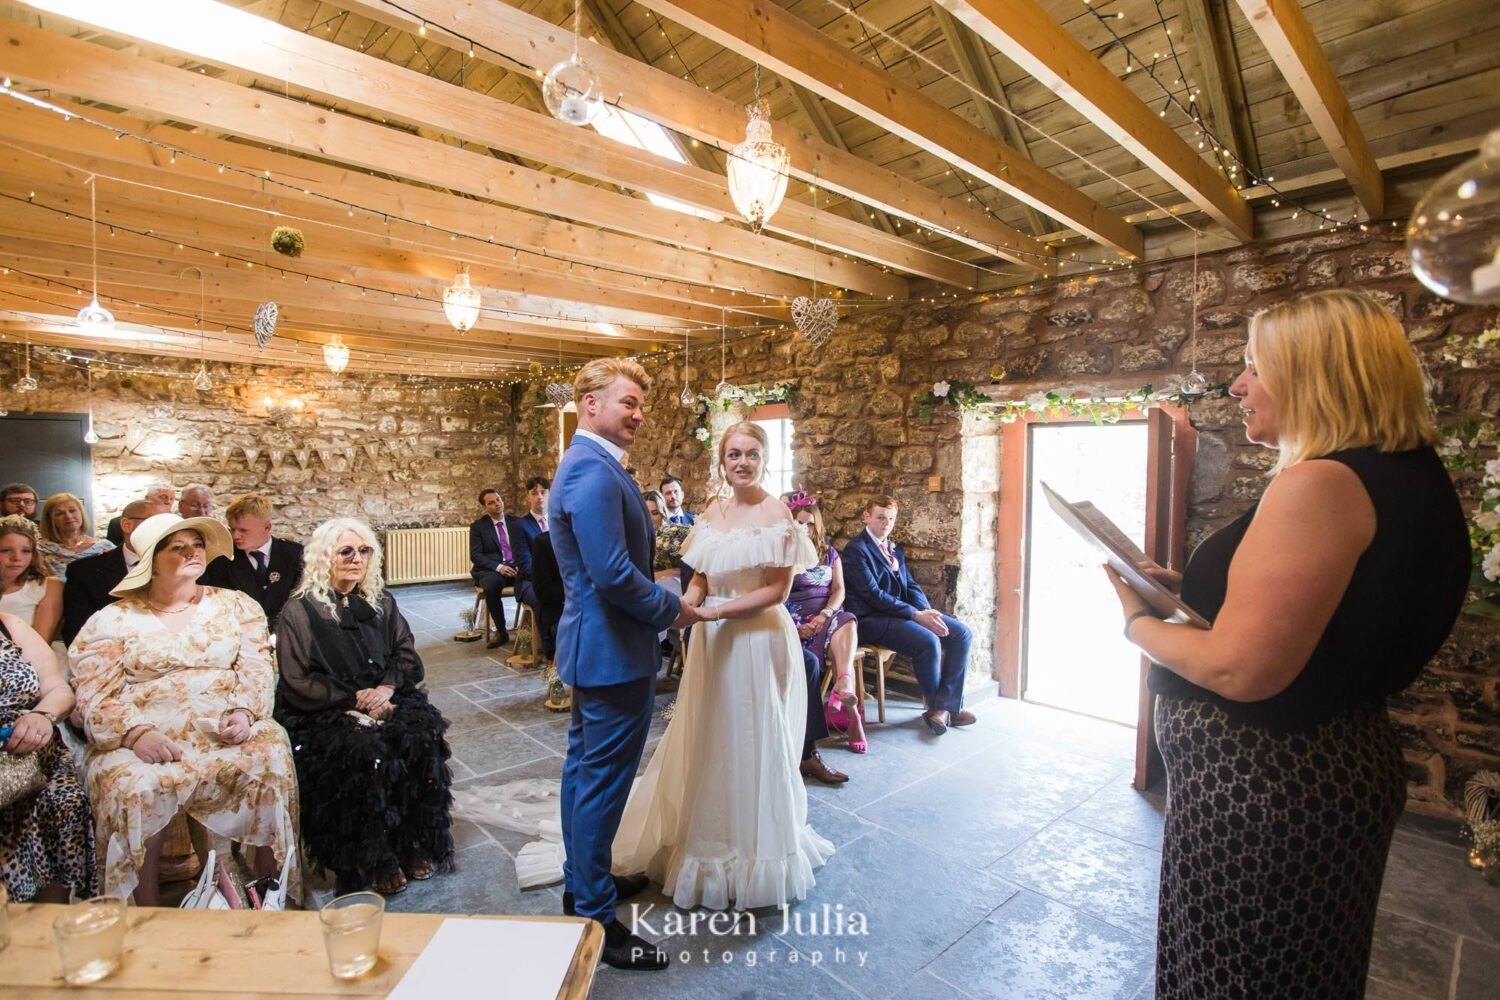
x,y
599,374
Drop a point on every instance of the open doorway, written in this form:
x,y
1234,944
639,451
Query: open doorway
x,y
1072,653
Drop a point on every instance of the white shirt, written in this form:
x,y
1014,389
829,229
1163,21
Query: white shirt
x,y
130,557
886,548
615,451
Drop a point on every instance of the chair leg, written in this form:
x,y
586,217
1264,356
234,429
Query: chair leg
x,y
482,612
861,658
881,659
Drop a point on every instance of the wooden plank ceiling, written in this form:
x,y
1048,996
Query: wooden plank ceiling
x,y
954,145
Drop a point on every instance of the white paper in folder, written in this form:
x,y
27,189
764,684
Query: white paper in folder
x,y
517,959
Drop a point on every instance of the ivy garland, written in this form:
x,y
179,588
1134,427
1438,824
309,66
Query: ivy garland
x,y
745,396
968,398
1470,446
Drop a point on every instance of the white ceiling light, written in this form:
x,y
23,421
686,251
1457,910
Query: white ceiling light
x,y
336,355
94,318
461,302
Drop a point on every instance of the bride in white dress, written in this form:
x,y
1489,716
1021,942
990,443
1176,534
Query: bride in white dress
x,y
719,819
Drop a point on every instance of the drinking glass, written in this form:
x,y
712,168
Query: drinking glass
x,y
90,938
351,933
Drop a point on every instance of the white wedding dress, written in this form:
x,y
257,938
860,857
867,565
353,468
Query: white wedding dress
x,y
719,818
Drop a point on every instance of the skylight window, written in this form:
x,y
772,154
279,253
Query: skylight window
x,y
633,130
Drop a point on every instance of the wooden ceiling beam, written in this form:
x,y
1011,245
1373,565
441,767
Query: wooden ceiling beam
x,y
241,41
978,72
1289,39
794,49
524,41
1219,76
1025,33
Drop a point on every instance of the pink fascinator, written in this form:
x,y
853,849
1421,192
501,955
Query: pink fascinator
x,y
800,501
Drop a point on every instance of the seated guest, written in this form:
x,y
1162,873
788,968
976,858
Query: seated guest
x,y
369,747
65,534
46,836
497,559
91,579
671,491
535,521
813,765
197,501
176,689
667,560
161,496
266,568
816,603
546,580
27,590
894,613
18,498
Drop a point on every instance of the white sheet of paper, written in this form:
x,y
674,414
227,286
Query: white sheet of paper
x,y
465,955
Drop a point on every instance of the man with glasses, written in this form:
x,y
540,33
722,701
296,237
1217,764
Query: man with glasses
x,y
18,498
266,568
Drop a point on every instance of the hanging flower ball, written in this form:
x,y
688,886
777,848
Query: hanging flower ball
x,y
288,241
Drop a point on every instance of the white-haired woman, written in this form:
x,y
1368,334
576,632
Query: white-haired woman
x,y
175,686
371,758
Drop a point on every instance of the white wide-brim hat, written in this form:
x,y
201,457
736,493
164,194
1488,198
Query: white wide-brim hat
x,y
149,533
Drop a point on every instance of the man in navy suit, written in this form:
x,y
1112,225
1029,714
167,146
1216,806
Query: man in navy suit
x,y
530,525
91,578
263,567
499,557
894,613
535,520
671,492
606,642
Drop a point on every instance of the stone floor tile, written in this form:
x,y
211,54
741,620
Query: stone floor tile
x,y
1111,879
1412,956
491,748
1120,811
1431,882
461,713
484,881
1478,971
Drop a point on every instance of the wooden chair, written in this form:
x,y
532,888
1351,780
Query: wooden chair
x,y
882,658
482,609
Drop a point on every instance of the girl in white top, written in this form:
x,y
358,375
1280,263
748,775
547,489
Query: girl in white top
x,y
27,590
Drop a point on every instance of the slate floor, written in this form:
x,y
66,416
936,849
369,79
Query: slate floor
x,y
1009,860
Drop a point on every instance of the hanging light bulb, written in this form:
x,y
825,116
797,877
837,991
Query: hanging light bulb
x,y
758,166
94,318
1454,235
336,355
686,397
461,302
571,89
89,437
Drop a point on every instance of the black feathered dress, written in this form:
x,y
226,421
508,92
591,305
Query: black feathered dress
x,y
373,795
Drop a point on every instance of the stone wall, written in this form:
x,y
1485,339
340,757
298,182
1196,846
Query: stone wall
x,y
858,431
395,451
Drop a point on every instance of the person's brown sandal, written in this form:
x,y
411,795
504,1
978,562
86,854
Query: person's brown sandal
x,y
389,883
418,871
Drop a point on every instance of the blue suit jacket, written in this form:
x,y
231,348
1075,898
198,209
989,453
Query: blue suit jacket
x,y
686,517
484,547
530,525
603,540
871,587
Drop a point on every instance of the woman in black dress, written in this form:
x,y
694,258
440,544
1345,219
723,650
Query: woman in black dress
x,y
371,757
1285,780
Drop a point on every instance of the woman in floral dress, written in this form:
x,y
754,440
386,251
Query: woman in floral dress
x,y
176,688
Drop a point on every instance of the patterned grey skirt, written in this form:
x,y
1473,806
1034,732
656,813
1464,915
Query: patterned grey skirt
x,y
1273,854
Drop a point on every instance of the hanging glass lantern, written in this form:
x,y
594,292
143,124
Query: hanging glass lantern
x,y
758,168
461,302
1453,238
572,91
89,437
336,355
201,381
94,318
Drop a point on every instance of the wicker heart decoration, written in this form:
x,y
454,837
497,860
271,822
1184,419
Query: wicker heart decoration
x,y
265,323
815,318
559,394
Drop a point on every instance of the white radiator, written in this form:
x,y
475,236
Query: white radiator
x,y
426,555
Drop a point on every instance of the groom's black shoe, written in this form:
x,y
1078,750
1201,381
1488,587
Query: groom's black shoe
x,y
625,950
625,887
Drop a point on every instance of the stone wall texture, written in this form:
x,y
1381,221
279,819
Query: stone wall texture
x,y
401,452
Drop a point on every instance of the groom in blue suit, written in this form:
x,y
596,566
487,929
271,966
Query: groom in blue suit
x,y
606,642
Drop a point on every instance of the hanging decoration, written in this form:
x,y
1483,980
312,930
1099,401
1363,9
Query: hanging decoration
x,y
461,302
571,89
1194,383
758,166
1454,235
201,381
967,397
94,318
686,397
725,389
336,355
89,437
26,383
288,241
815,318
266,315
559,394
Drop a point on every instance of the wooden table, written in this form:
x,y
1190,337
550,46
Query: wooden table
x,y
202,954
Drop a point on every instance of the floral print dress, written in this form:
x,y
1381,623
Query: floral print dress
x,y
129,670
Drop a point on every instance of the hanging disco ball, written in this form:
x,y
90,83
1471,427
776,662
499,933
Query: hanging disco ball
x,y
572,91
1453,237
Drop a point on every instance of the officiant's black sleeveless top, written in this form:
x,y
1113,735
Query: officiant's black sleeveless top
x,y
1400,604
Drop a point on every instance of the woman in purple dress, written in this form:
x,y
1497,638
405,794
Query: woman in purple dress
x,y
828,632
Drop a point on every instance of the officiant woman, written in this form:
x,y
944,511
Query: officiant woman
x,y
1285,779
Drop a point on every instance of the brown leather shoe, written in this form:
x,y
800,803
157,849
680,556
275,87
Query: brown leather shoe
x,y
816,768
498,641
963,717
937,720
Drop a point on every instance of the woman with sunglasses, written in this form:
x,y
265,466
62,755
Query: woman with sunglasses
x,y
175,686
371,759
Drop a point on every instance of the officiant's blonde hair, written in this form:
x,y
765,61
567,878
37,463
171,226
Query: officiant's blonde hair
x,y
1343,376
